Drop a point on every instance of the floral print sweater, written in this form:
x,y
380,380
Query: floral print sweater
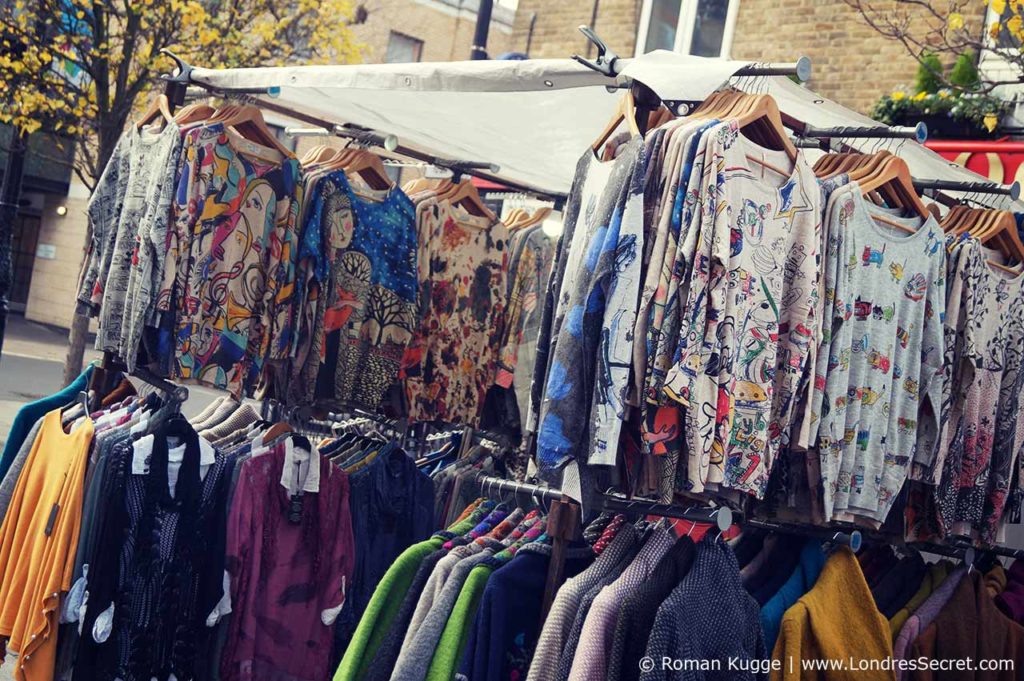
x,y
452,358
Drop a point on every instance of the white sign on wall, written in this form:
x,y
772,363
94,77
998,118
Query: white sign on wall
x,y
46,251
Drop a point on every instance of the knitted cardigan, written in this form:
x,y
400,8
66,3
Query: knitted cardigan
x,y
559,622
591,658
387,598
709,616
636,616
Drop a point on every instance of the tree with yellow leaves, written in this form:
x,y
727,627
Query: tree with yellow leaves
x,y
942,31
78,67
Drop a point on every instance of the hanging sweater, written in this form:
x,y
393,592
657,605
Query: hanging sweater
x,y
591,657
388,597
456,631
452,358
970,626
708,616
811,631
33,411
104,211
366,312
37,540
981,437
170,557
880,381
411,664
287,578
743,346
935,576
925,615
636,616
561,616
584,396
812,560
508,623
152,164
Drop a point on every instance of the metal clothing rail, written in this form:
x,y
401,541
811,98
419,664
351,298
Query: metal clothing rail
x,y
721,516
490,483
918,133
356,133
609,64
853,539
1011,190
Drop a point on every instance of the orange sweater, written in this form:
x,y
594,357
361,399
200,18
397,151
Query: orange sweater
x,y
37,540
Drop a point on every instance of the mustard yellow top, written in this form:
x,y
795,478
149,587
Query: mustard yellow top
x,y
37,540
836,620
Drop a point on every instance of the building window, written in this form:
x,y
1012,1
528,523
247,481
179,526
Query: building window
x,y
403,48
700,27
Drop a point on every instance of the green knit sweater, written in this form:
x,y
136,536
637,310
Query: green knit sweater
x,y
456,632
384,604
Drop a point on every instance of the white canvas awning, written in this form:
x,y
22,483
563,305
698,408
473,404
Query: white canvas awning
x,y
532,118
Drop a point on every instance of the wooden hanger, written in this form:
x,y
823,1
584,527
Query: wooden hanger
x,y
248,120
659,117
717,105
253,149
824,164
223,112
277,430
369,166
540,216
514,217
830,165
895,174
315,155
423,184
764,112
624,113
467,196
193,113
159,106
953,217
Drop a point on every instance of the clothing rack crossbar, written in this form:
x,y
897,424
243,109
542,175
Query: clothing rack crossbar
x,y
544,493
918,133
721,516
1012,190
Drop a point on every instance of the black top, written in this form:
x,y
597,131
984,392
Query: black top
x,y
636,616
167,570
899,584
773,572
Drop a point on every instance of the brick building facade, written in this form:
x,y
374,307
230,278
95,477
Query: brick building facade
x,y
852,64
429,30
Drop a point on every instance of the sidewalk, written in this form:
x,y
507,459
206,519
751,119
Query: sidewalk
x,y
31,367
39,341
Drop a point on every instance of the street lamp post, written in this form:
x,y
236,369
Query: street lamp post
x,y
483,25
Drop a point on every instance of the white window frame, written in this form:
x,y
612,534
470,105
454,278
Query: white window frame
x,y
993,66
684,29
